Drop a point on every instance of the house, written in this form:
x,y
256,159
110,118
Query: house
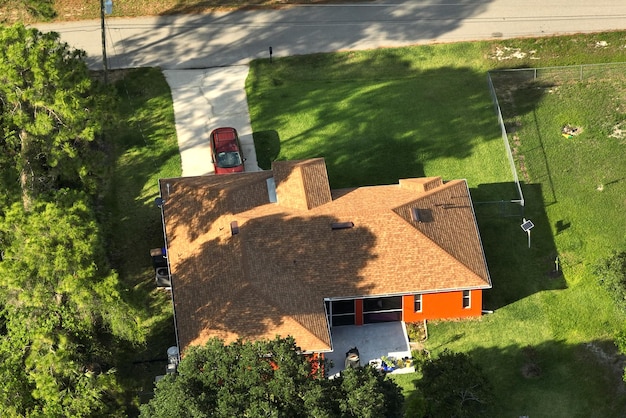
x,y
260,254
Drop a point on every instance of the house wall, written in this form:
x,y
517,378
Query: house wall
x,y
445,305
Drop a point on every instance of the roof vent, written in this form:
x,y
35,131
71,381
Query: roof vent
x,y
342,225
271,189
415,215
234,228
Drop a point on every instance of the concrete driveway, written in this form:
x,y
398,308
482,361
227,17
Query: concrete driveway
x,y
204,100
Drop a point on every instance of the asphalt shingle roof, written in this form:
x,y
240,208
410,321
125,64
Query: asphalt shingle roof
x,y
271,276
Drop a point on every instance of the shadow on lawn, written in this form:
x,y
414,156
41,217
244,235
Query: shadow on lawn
x,y
144,149
518,94
555,379
516,270
376,119
267,145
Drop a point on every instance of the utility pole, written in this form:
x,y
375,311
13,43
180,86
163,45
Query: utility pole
x,y
105,6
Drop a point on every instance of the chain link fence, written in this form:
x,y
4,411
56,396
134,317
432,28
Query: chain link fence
x,y
503,82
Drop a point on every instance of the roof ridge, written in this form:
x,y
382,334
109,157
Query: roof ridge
x,y
441,250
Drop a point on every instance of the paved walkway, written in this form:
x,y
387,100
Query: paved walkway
x,y
204,100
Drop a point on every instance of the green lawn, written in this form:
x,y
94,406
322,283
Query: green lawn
x,y
377,116
144,148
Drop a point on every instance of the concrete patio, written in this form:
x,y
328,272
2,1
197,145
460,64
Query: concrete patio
x,y
373,342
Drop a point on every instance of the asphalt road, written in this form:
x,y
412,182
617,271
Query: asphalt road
x,y
228,38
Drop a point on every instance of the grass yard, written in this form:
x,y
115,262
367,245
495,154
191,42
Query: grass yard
x,y
377,116
145,148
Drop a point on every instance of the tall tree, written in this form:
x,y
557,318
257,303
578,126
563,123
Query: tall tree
x,y
50,112
268,378
61,303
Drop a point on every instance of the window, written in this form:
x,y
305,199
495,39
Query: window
x,y
467,299
341,312
418,302
392,303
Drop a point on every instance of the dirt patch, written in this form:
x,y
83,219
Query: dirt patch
x,y
503,53
569,131
112,75
619,131
519,157
12,11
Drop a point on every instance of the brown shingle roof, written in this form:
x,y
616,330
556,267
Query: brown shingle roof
x,y
272,277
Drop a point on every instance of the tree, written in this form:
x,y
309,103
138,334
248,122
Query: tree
x,y
61,304
611,274
454,386
267,378
50,113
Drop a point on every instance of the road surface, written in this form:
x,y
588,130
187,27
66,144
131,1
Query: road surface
x,y
229,38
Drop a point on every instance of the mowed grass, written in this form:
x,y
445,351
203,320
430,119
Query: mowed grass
x,y
377,116
144,148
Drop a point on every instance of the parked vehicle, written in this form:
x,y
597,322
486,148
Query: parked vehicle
x,y
226,151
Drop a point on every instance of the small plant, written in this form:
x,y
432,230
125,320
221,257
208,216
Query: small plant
x,y
416,331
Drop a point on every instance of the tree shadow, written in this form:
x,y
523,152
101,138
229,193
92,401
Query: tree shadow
x,y
267,145
143,151
555,378
377,130
143,147
272,275
200,41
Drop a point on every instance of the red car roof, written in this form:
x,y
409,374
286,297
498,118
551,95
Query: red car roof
x,y
225,139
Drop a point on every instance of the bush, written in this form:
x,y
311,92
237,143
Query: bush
x,y
612,276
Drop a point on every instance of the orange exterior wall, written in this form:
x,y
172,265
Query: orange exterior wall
x,y
446,305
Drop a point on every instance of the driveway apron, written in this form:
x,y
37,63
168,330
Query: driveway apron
x,y
206,99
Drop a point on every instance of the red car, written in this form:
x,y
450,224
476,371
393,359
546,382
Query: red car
x,y
226,150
